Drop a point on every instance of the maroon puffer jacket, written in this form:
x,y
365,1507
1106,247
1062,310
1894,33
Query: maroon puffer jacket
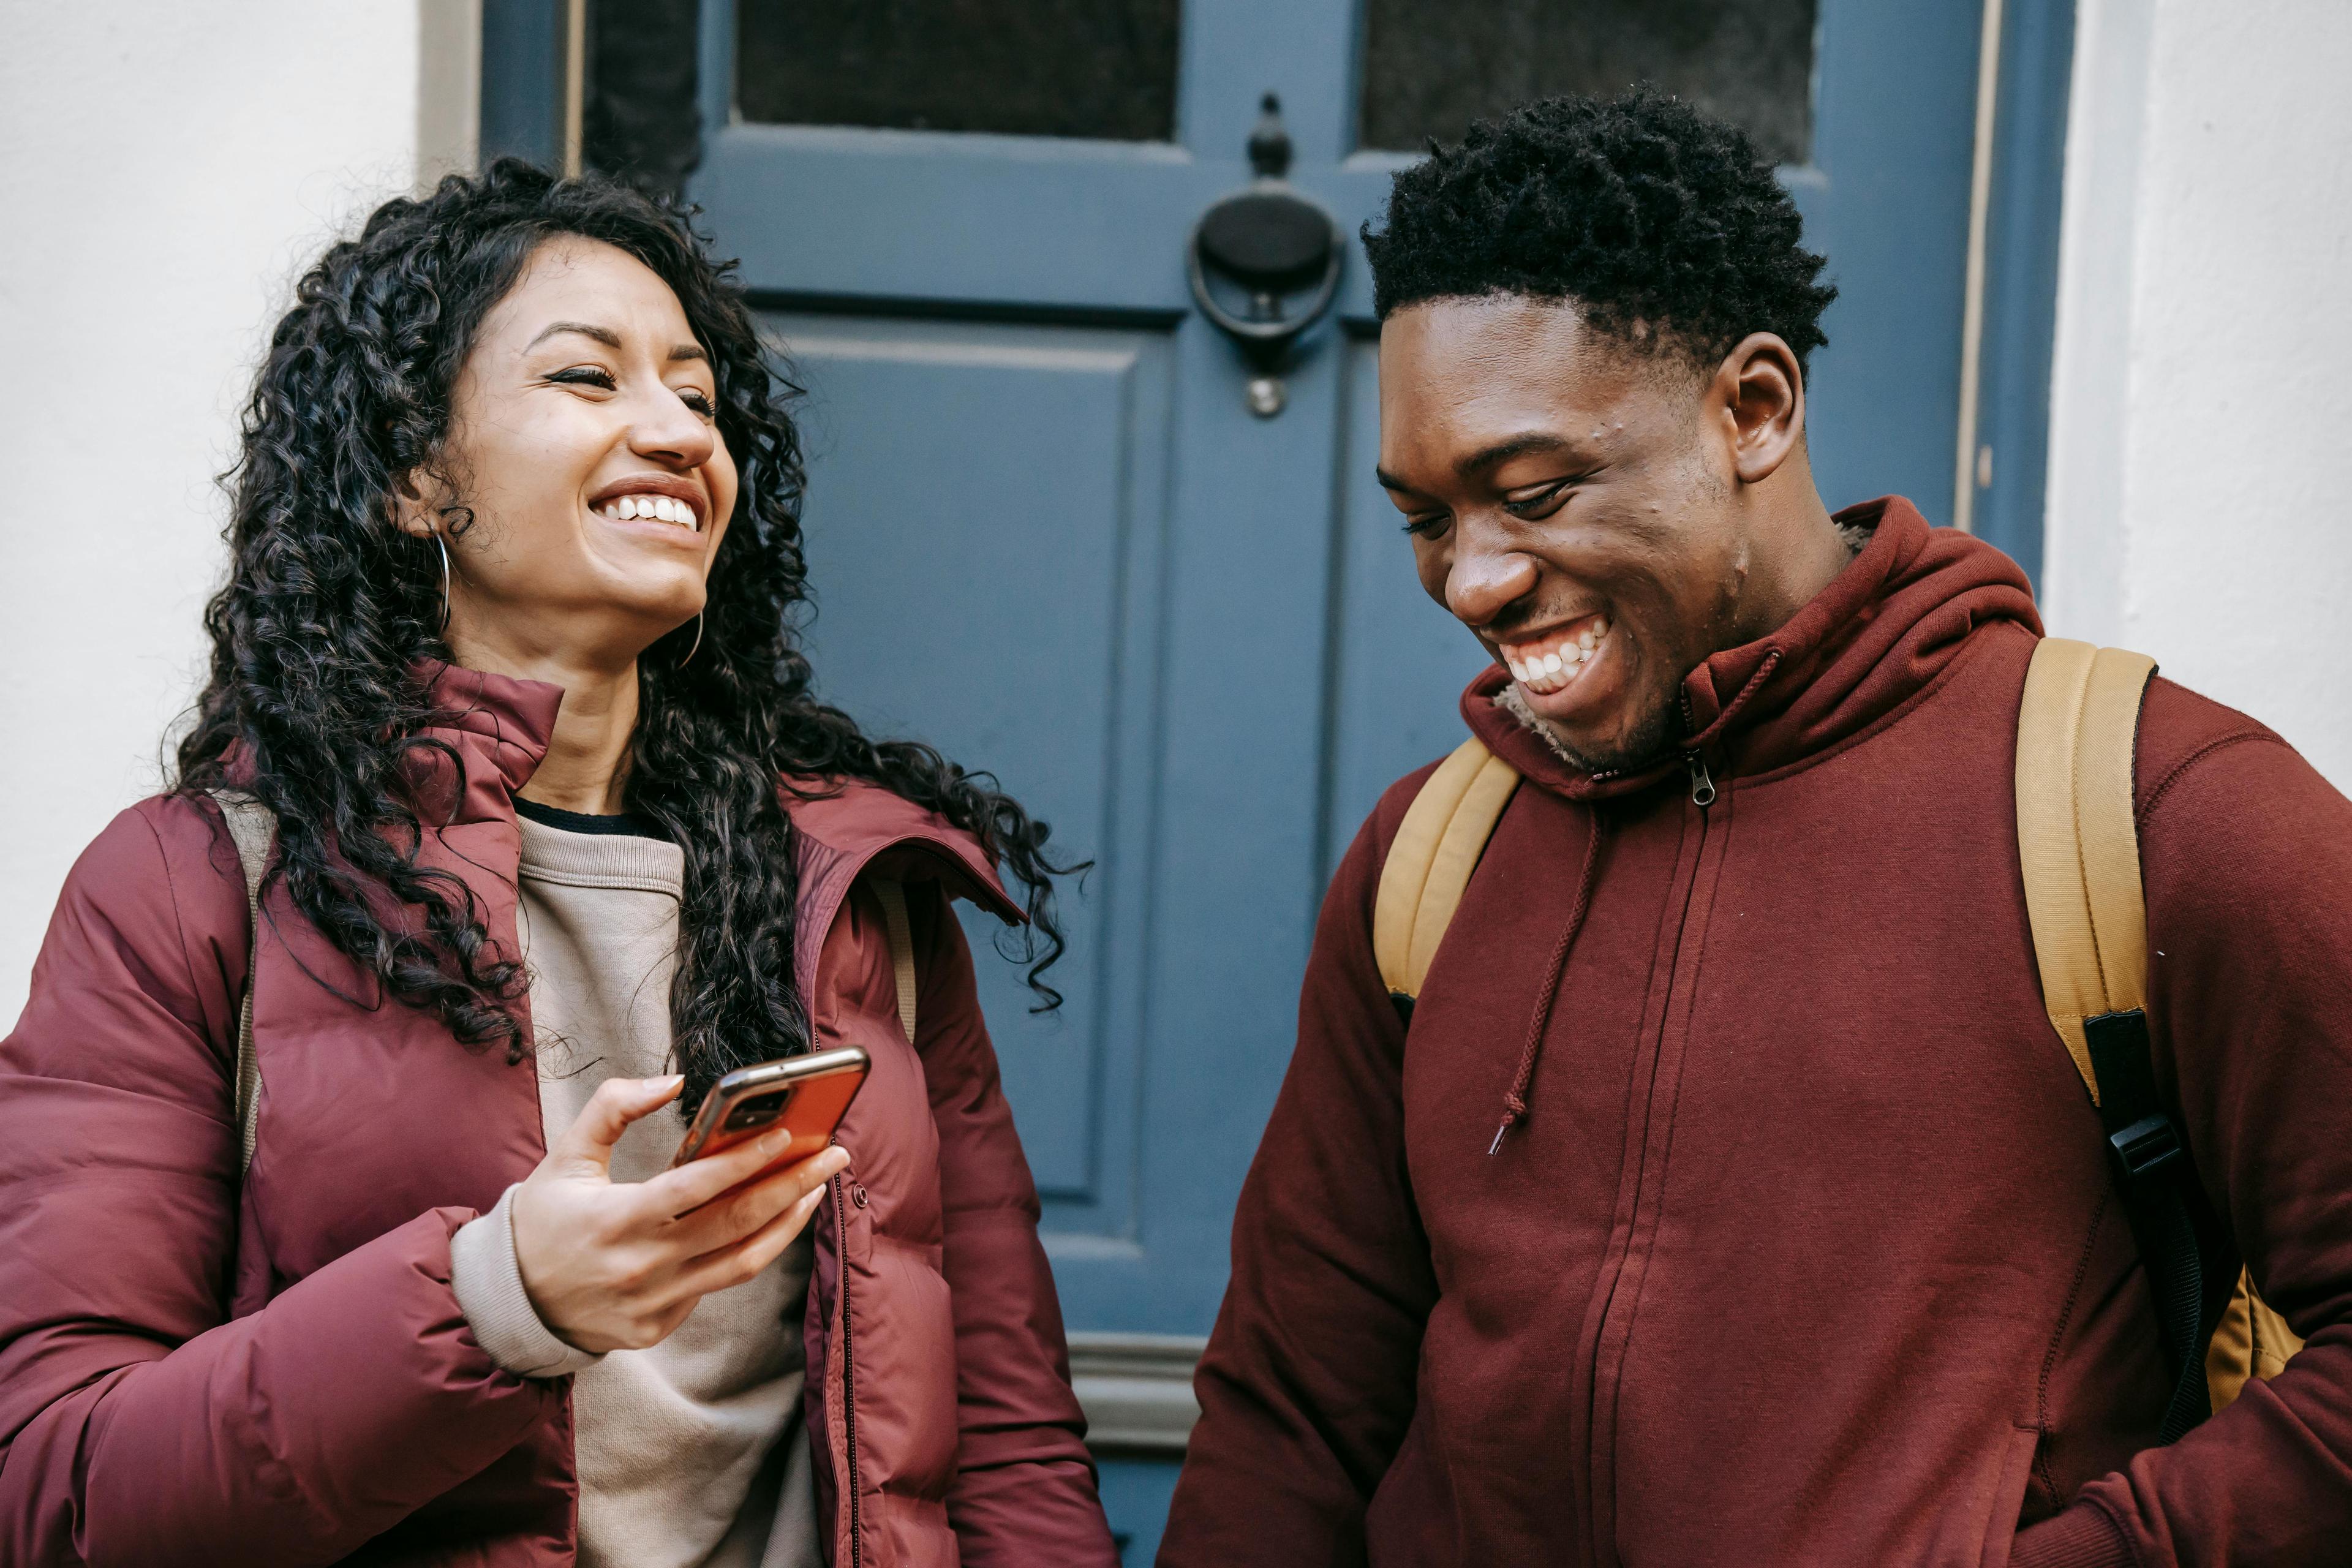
x,y
280,1373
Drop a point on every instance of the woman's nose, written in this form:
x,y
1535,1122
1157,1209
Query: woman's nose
x,y
667,429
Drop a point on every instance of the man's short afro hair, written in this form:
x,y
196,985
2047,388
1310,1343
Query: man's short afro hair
x,y
1649,215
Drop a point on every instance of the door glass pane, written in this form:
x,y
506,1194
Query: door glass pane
x,y
1102,69
1431,66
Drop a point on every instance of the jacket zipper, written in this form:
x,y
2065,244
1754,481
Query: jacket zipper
x,y
848,1364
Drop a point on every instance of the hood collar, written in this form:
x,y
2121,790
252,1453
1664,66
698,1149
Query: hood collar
x,y
1877,636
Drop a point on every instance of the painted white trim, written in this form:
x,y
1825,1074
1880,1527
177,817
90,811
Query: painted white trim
x,y
1964,462
2084,542
448,89
1136,1391
576,83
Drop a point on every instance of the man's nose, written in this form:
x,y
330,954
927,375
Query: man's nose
x,y
1486,578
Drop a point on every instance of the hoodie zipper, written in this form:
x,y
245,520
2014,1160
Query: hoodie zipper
x,y
1601,1432
848,1364
1702,783
1702,790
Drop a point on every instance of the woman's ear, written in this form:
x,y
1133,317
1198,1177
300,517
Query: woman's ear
x,y
410,511
1762,394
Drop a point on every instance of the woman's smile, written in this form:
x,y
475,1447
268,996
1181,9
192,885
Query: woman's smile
x,y
663,502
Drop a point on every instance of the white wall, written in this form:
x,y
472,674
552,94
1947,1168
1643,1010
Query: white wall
x,y
2198,441
169,169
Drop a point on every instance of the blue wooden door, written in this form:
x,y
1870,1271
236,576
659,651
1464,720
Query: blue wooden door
x,y
1049,534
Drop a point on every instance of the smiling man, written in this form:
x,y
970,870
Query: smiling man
x,y
1727,1195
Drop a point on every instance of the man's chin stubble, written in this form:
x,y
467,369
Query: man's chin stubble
x,y
1648,745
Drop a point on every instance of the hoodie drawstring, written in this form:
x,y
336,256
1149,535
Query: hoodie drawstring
x,y
1515,1103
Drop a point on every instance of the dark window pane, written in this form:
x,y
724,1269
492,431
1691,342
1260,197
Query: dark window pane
x,y
639,121
1104,68
1431,66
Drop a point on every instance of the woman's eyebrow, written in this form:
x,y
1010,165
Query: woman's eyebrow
x,y
609,338
605,335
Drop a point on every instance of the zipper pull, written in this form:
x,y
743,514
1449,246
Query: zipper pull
x,y
1702,781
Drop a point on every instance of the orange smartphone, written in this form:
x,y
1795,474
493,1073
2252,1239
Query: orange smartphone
x,y
808,1094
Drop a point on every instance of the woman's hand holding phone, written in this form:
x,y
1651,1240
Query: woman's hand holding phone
x,y
619,1264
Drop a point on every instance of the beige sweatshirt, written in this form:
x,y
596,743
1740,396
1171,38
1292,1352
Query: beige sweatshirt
x,y
692,1454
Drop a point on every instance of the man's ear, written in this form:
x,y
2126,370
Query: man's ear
x,y
1761,393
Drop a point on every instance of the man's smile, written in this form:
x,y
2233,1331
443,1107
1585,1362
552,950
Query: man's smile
x,y
1551,660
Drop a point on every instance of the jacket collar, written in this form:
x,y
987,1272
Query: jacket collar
x,y
857,823
500,724
1875,637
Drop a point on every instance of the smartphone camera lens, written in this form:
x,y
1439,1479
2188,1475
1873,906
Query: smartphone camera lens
x,y
756,1111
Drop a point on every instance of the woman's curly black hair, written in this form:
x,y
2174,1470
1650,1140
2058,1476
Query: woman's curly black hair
x,y
327,636
1665,227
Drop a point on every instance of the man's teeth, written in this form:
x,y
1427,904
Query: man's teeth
x,y
665,508
1551,663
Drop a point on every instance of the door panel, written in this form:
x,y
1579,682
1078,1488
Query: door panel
x,y
1886,199
978,481
1399,660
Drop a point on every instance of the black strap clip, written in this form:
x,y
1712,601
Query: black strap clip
x,y
2144,1148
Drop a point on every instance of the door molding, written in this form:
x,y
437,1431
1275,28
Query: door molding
x,y
1136,1391
2004,439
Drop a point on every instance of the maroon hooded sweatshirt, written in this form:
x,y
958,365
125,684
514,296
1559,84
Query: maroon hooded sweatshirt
x,y
275,1371
1803,1249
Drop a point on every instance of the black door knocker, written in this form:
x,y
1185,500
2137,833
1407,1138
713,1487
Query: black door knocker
x,y
1269,242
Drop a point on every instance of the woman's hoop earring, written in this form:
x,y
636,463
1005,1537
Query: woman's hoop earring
x,y
443,546
696,645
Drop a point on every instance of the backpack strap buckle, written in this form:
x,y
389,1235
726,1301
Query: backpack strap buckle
x,y
2143,1150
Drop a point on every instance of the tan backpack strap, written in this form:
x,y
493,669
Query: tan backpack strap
x,y
2077,734
2076,836
252,826
1430,861
902,949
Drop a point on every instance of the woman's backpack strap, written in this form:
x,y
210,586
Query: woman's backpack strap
x,y
1430,861
252,826
893,897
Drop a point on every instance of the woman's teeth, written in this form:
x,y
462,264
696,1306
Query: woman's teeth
x,y
665,508
1550,663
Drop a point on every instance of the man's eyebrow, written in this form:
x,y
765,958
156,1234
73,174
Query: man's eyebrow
x,y
1486,457
605,335
1502,452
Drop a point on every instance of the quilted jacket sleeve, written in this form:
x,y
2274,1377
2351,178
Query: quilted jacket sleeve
x,y
137,1425
1025,1488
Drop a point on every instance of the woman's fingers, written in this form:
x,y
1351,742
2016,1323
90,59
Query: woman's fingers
x,y
674,1193
617,1102
738,1214
734,1264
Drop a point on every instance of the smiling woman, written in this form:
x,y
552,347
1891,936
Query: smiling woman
x,y
582,495
509,725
